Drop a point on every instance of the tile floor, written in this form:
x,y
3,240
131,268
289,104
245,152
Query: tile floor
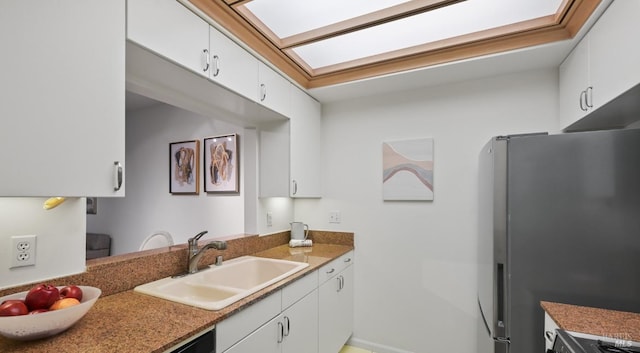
x,y
349,349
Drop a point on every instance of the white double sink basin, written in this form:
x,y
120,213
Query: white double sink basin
x,y
220,286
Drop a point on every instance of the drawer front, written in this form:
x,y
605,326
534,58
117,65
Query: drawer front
x,y
237,326
298,289
334,267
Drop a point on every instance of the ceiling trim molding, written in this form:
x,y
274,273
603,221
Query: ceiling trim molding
x,y
565,24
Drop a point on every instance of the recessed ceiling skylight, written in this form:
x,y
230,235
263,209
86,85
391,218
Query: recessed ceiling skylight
x,y
287,18
452,21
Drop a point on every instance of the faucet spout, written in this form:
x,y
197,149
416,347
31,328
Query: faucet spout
x,y
194,257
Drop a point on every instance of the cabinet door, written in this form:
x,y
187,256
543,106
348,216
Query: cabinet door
x,y
306,148
336,311
62,101
614,59
171,30
273,90
232,66
574,80
301,325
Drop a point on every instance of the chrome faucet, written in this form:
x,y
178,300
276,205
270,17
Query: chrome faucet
x,y
195,254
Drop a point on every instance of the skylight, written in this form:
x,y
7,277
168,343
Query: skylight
x,y
287,18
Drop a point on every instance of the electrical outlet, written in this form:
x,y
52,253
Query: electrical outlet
x,y
334,217
23,250
269,219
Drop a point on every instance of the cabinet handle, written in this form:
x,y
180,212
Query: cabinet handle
x,y
588,97
549,336
331,271
205,55
583,101
295,187
348,259
340,283
280,332
263,92
287,326
117,176
216,66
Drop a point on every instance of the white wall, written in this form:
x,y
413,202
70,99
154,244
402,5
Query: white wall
x,y
415,274
148,205
60,242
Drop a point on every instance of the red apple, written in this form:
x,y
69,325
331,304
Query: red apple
x,y
42,296
71,292
13,307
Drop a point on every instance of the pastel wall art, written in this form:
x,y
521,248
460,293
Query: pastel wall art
x,y
407,173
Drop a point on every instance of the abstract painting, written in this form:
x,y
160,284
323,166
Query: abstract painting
x,y
221,164
183,167
407,170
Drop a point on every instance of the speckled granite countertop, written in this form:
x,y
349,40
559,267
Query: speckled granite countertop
x,y
595,321
128,321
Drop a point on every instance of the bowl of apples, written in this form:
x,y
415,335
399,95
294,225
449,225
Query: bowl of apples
x,y
44,310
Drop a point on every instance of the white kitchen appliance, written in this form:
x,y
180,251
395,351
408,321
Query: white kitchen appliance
x,y
299,231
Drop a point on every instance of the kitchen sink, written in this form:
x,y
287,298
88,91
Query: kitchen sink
x,y
220,286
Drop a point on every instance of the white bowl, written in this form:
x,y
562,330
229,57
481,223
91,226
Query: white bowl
x,y
32,327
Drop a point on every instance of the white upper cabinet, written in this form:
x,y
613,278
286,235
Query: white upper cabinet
x,y
602,66
171,30
574,83
62,101
273,90
305,145
614,55
231,65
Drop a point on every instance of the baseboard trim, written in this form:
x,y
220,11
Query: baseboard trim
x,y
374,347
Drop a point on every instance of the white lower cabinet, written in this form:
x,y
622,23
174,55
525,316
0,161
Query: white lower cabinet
x,y
550,328
293,331
336,308
312,315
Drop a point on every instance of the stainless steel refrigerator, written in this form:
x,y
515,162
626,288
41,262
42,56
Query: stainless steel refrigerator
x,y
559,221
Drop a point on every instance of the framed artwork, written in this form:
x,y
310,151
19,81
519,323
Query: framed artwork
x,y
221,164
184,160
407,170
